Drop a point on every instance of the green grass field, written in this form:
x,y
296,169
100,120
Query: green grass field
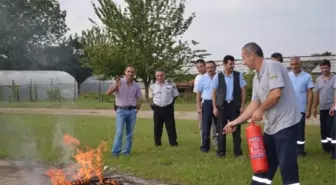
x,y
35,136
84,104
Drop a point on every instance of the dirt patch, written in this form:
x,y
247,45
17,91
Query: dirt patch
x,y
101,112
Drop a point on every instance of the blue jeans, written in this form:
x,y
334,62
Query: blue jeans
x,y
128,118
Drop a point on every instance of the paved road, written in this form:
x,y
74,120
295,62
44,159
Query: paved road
x,y
100,112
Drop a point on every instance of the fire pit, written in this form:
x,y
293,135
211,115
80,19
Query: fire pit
x,y
96,181
87,170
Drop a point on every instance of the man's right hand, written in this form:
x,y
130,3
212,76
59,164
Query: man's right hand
x,y
315,113
215,111
199,110
117,81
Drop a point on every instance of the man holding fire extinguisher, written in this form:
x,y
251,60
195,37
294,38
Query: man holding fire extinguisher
x,y
272,98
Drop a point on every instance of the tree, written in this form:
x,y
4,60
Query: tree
x,y
146,34
27,26
64,57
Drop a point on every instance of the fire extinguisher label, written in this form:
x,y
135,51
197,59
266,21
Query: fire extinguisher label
x,y
256,147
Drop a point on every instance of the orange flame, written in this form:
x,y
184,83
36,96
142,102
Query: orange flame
x,y
90,163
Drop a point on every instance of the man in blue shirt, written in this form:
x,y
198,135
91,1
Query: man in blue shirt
x,y
204,104
303,87
228,99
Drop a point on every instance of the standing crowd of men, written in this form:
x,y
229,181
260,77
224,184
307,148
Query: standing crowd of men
x,y
282,99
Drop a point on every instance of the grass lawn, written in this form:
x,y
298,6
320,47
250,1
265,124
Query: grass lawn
x,y
84,104
35,136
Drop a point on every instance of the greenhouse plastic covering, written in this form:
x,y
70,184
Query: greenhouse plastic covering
x,y
93,85
37,84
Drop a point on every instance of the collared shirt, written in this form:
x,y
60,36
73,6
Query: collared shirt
x,y
301,83
196,82
335,93
127,95
164,94
326,90
204,87
285,113
229,84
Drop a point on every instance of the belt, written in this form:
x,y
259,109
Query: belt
x,y
126,108
228,102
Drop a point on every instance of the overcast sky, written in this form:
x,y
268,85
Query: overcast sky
x,y
292,27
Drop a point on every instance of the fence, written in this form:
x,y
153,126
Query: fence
x,y
38,92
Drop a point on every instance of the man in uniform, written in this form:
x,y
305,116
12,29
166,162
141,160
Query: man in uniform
x,y
272,98
332,112
303,86
324,92
128,101
204,104
228,99
200,65
164,96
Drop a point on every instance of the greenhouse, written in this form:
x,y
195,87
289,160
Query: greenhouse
x,y
93,85
37,85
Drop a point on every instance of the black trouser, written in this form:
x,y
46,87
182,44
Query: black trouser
x,y
207,118
164,115
281,152
333,137
301,134
228,112
326,122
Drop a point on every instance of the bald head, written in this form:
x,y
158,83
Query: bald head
x,y
254,49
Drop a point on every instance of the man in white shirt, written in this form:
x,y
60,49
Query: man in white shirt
x,y
200,65
332,112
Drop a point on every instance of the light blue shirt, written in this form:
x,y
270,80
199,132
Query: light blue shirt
x,y
301,83
229,84
204,87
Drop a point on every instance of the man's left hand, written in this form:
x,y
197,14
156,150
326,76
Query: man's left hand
x,y
308,114
257,115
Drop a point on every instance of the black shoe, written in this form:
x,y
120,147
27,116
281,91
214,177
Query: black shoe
x,y
204,150
220,154
157,145
174,145
238,155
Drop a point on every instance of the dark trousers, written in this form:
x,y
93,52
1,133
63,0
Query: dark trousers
x,y
326,122
207,118
333,137
281,152
301,134
164,115
228,112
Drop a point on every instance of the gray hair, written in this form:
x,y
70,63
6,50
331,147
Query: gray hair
x,y
295,58
254,48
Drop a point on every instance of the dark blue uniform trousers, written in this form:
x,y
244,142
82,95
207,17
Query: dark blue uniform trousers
x,y
207,120
333,137
301,134
281,151
326,126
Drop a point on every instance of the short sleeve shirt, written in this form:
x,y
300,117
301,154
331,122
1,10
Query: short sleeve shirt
x,y
335,93
128,95
285,113
301,83
164,94
196,82
325,88
204,87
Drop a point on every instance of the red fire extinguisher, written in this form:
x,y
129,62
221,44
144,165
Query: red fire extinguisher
x,y
256,148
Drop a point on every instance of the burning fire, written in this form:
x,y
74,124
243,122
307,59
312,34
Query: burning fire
x,y
90,164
